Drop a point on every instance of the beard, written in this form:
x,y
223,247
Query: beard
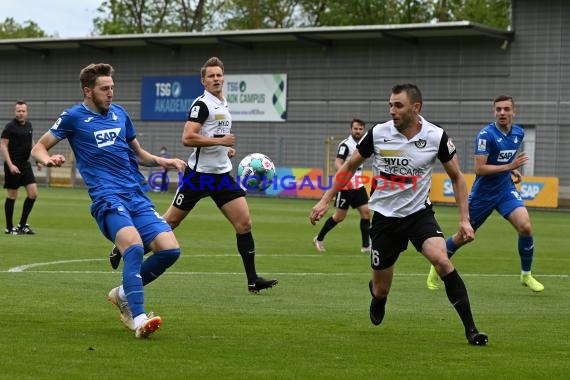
x,y
102,105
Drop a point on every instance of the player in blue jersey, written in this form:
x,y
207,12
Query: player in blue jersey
x,y
107,153
496,162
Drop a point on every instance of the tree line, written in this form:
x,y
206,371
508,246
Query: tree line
x,y
162,16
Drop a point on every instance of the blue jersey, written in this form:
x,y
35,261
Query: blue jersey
x,y
100,143
500,149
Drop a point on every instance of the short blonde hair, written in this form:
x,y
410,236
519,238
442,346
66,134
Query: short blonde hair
x,y
211,62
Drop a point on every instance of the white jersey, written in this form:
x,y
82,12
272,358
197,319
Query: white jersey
x,y
214,115
345,150
402,168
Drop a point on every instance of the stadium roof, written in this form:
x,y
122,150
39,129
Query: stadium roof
x,y
326,36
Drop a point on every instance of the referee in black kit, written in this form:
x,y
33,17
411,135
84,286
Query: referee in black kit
x,y
16,145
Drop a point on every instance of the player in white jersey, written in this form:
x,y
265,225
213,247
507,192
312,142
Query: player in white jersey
x,y
405,150
354,195
208,132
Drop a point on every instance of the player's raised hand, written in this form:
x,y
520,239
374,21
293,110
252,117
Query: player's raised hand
x,y
56,160
228,140
519,160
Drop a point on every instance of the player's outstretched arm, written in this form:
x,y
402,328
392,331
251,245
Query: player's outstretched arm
x,y
460,193
41,149
340,180
148,159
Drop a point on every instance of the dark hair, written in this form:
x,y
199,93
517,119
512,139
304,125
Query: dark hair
x,y
90,73
413,92
502,98
21,103
357,121
211,62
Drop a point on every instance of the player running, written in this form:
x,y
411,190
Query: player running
x,y
408,143
354,195
496,159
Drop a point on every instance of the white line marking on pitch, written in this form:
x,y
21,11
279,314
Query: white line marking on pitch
x,y
24,268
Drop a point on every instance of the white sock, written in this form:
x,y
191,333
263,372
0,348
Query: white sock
x,y
122,293
139,319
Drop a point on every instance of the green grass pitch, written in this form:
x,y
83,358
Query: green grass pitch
x,y
57,324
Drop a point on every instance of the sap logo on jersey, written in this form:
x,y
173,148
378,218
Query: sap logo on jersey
x,y
106,137
506,155
530,190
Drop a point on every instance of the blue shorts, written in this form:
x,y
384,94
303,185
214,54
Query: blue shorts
x,y
504,202
117,211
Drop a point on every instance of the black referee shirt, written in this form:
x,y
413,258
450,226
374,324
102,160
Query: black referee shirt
x,y
20,141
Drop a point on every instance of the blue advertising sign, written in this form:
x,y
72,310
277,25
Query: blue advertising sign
x,y
169,97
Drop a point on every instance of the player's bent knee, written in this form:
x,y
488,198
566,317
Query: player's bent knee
x,y
172,222
168,257
243,228
443,266
525,229
172,218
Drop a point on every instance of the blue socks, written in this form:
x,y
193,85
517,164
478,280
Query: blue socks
x,y
451,247
137,273
132,280
157,263
526,252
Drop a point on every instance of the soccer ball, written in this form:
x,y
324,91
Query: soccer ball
x,y
255,172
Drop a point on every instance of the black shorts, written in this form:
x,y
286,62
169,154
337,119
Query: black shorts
x,y
222,188
14,181
390,235
351,197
